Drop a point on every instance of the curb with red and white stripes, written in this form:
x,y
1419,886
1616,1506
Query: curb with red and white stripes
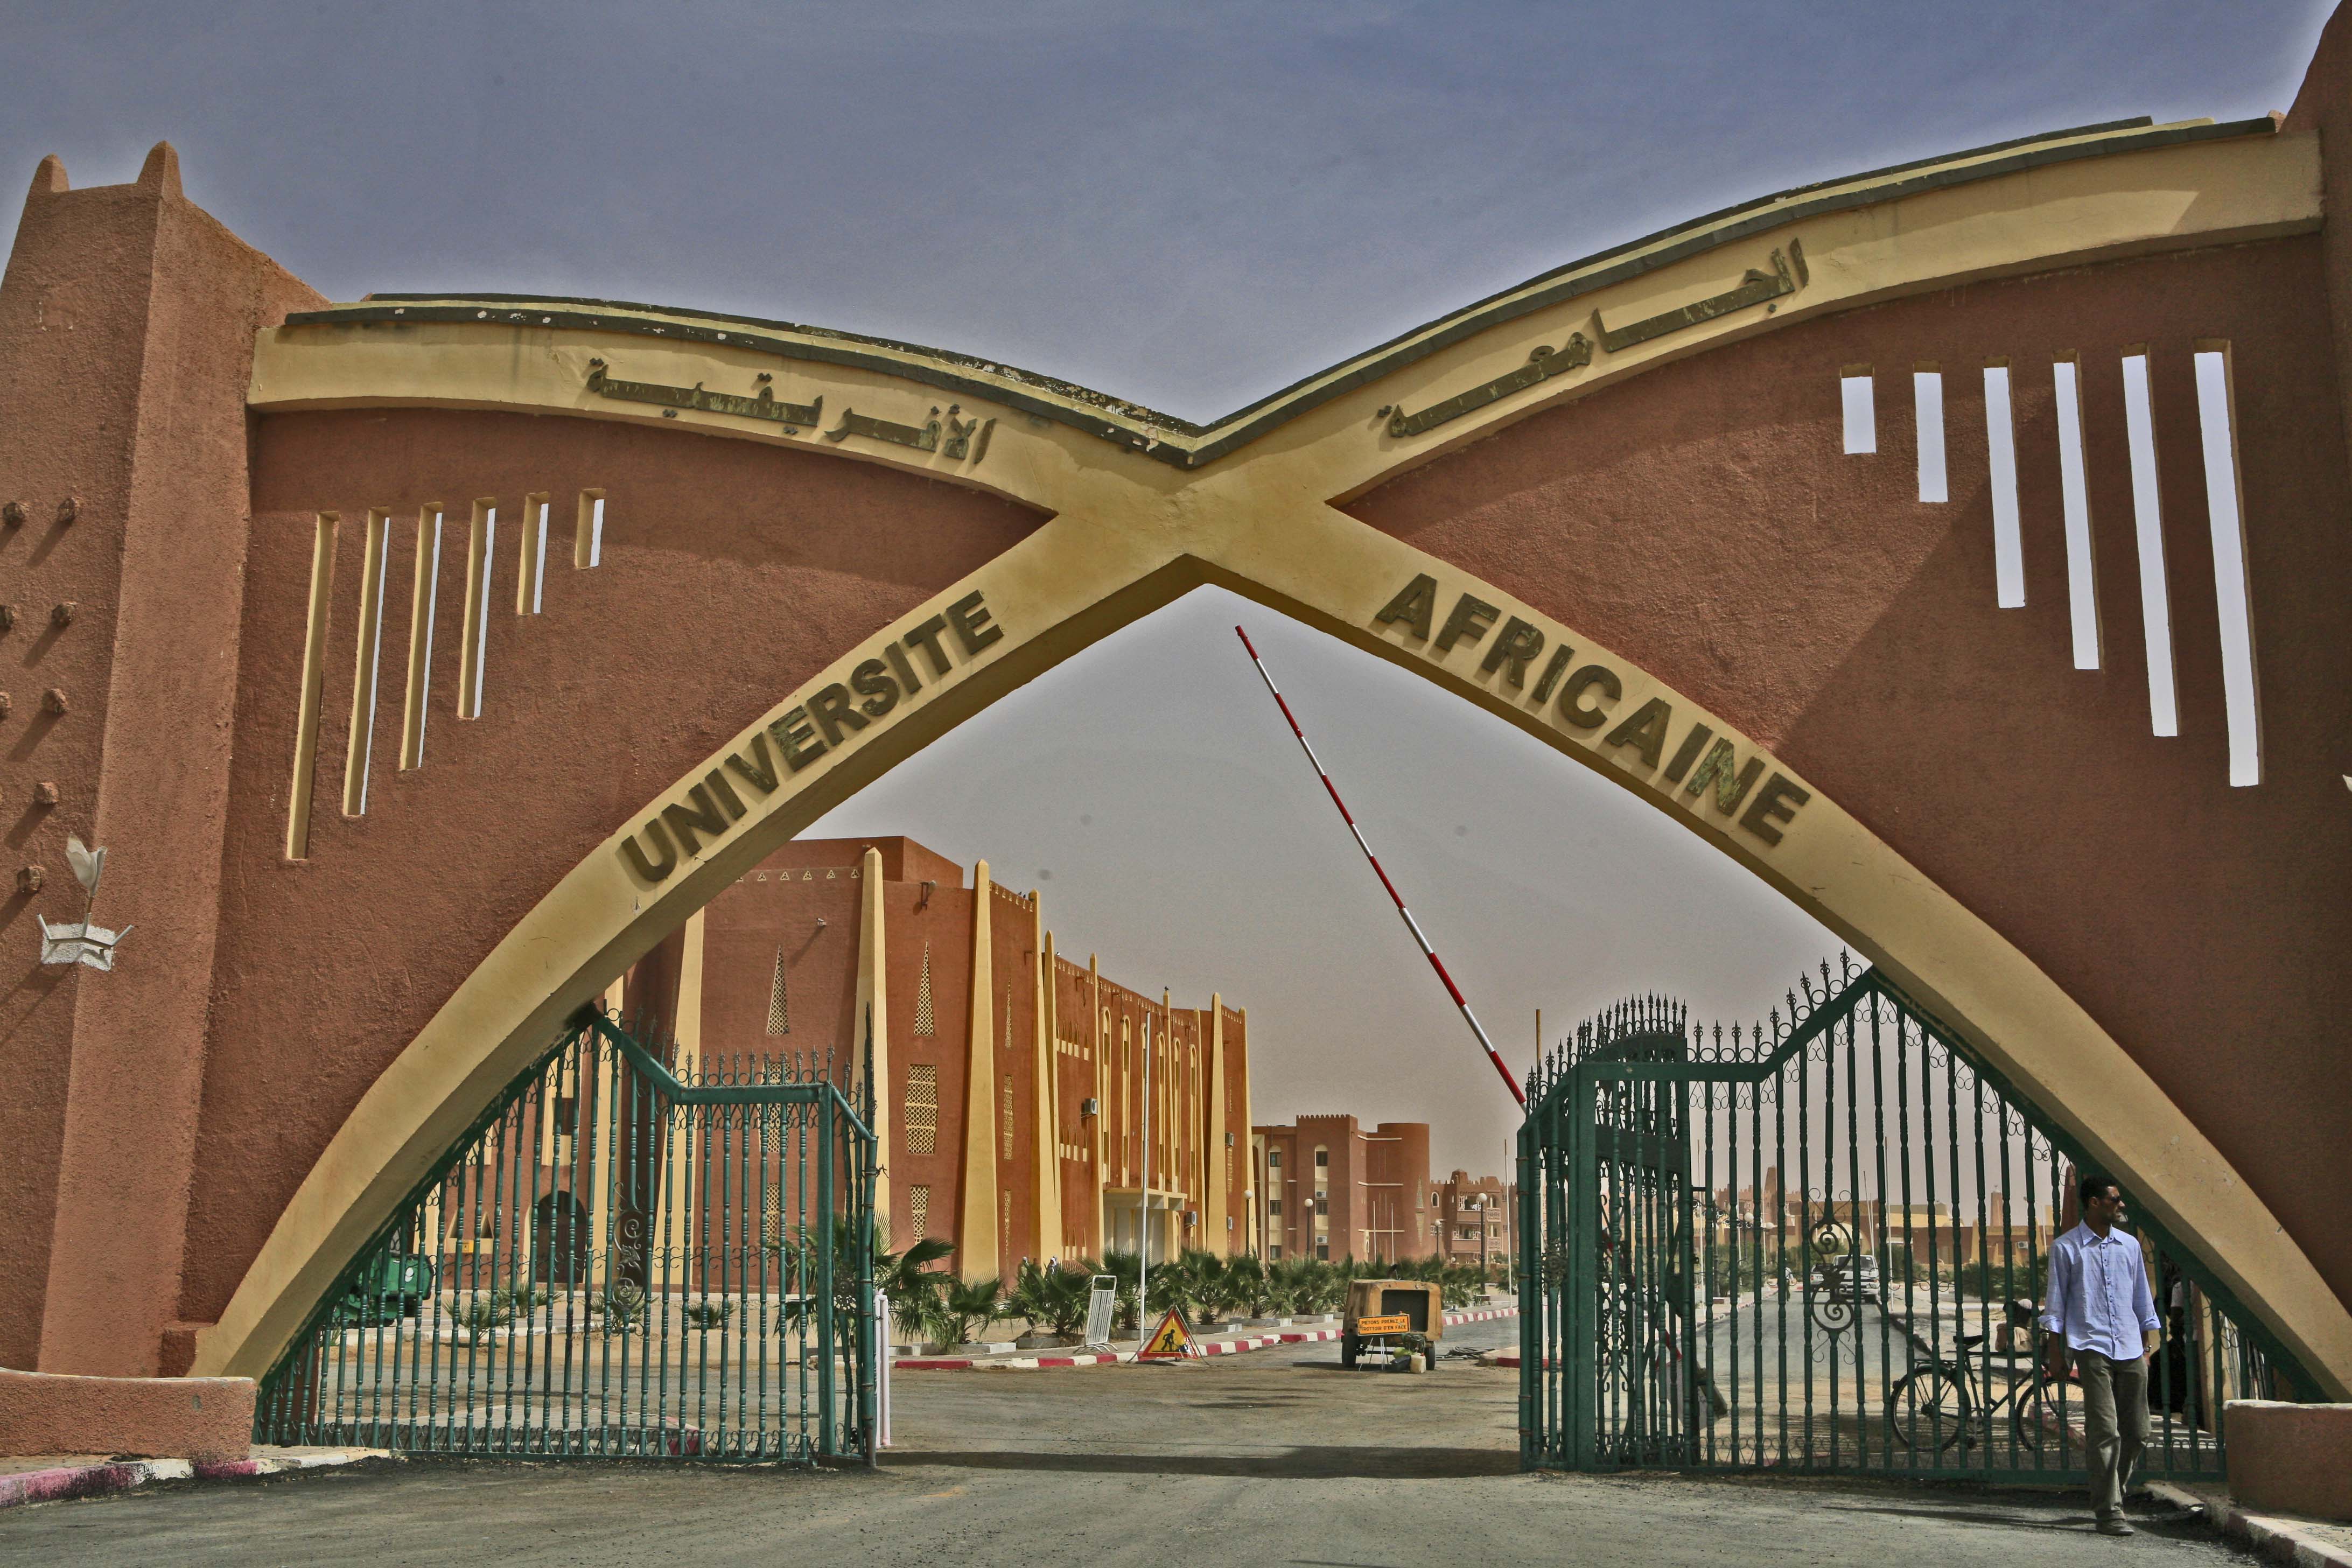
x,y
62,1483
1207,1347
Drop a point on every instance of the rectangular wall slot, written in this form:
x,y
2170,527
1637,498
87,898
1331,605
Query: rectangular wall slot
x,y
2216,417
314,679
529,582
2075,498
423,601
2148,524
2000,447
588,532
360,753
1927,401
473,645
1858,393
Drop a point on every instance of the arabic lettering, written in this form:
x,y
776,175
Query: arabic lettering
x,y
961,437
1542,364
1754,288
762,404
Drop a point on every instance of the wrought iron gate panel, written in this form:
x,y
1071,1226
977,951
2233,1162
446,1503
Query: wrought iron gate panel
x,y
618,1258
1820,1246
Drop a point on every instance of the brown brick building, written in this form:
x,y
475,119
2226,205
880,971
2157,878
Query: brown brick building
x,y
1334,1190
1011,1115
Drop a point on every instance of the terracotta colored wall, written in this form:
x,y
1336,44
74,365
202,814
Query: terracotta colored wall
x,y
1012,953
766,561
126,330
1704,520
744,929
944,923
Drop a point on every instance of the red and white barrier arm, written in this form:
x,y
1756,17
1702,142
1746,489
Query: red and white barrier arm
x,y
1395,897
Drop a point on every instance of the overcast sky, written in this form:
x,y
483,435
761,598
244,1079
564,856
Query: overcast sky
x,y
1191,205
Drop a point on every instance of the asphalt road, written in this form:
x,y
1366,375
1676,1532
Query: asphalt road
x,y
1277,1456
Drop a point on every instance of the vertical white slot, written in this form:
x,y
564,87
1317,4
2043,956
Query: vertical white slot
x,y
2001,447
2074,497
2225,511
424,600
361,750
1857,391
482,626
539,561
588,529
473,645
2148,524
1927,401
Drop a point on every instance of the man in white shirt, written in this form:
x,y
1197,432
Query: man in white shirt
x,y
2099,1311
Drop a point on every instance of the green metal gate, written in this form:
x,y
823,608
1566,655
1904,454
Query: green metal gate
x,y
1821,1245
625,1256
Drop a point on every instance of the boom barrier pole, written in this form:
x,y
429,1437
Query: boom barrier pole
x,y
1395,897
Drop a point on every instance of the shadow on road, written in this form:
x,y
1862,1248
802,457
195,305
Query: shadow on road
x,y
1304,1463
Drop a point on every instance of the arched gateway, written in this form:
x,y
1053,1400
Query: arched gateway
x,y
435,657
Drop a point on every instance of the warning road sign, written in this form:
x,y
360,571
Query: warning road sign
x,y
1171,1341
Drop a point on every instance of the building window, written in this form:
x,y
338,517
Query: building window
x,y
1322,1159
1323,1249
918,1210
1322,1203
1274,1158
1273,1251
925,1021
1008,1116
779,1011
1273,1207
922,1111
1007,1236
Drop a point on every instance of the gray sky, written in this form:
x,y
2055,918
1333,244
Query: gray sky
x,y
1190,206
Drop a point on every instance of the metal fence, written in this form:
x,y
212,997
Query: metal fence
x,y
1821,1245
625,1256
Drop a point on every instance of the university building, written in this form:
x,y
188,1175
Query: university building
x,y
1335,1190
1010,1110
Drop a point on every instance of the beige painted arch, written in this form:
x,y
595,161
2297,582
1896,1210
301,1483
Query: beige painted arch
x,y
1245,504
1076,580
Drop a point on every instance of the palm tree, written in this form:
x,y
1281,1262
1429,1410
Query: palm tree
x,y
1127,1267
965,1307
1052,1299
1245,1285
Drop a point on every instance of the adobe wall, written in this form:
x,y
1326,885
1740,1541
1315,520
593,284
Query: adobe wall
x,y
1707,516
126,327
730,573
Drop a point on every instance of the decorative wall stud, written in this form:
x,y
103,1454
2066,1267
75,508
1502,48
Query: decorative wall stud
x,y
6,702
13,514
53,700
7,617
45,794
63,615
28,878
68,510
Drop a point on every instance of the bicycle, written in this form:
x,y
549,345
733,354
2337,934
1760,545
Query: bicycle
x,y
1935,1404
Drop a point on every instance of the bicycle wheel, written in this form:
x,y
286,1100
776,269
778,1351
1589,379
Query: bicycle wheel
x,y
1928,1411
2037,1420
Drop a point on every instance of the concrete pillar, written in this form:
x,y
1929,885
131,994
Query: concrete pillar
x,y
127,323
1047,1116
1221,1239
874,1018
977,1242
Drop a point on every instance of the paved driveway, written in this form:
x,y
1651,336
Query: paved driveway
x,y
1272,1457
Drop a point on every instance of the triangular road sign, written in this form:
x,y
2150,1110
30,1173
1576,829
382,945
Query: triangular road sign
x,y
1171,1341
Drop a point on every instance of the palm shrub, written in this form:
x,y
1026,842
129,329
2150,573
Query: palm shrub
x,y
968,1310
1054,1300
1127,1267
1289,1285
1245,1285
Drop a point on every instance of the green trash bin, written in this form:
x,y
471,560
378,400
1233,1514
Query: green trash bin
x,y
393,1286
